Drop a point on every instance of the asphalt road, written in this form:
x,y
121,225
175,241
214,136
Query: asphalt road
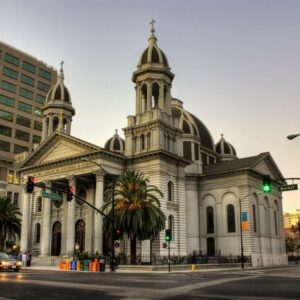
x,y
272,283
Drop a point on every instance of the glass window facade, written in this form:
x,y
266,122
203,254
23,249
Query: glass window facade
x,y
38,126
29,67
19,149
5,115
43,86
7,100
40,99
4,146
27,80
25,93
10,176
23,121
4,130
22,135
36,139
24,107
45,74
10,73
9,87
12,59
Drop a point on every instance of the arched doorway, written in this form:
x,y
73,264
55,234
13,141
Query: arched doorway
x,y
210,246
56,239
80,234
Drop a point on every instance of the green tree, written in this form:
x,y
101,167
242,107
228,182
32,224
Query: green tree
x,y
137,210
10,222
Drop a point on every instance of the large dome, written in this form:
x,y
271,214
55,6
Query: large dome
x,y
191,126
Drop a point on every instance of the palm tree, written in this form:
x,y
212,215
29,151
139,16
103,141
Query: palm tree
x,y
137,210
10,222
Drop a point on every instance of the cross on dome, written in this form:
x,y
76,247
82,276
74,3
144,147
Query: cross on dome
x,y
152,25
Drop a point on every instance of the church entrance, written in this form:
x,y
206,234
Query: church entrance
x,y
210,247
56,239
80,234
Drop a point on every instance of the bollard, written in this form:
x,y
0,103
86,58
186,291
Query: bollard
x,y
193,268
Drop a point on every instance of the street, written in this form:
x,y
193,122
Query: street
x,y
267,283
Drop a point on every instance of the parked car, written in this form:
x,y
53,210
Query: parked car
x,y
9,263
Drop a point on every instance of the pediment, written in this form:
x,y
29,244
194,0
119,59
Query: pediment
x,y
57,148
268,166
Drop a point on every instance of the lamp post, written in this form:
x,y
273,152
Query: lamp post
x,y
292,136
113,177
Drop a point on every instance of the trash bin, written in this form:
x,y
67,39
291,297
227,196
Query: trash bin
x,y
73,266
79,266
86,265
102,265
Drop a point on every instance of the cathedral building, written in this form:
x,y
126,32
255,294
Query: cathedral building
x,y
207,188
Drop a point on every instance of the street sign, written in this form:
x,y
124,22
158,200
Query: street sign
x,y
288,187
51,196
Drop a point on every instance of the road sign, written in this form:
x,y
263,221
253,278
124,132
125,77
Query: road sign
x,y
51,196
288,187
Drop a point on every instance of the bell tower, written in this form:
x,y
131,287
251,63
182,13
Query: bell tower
x,y
152,127
58,110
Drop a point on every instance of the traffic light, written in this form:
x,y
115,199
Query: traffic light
x,y
267,187
70,193
168,235
117,233
30,184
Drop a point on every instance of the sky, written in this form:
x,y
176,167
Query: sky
x,y
236,65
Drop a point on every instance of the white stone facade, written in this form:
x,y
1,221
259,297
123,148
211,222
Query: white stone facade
x,y
206,187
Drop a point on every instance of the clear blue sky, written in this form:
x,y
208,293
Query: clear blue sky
x,y
236,63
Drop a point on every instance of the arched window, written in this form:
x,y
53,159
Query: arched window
x,y
37,233
254,218
142,142
171,226
39,204
170,191
230,218
275,222
210,219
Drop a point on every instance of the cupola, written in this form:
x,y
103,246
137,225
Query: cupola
x,y
225,150
115,143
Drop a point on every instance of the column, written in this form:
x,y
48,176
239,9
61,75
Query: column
x,y
46,228
98,218
50,127
149,96
161,97
44,132
25,221
138,99
70,235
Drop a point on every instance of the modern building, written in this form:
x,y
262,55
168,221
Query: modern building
x,y
24,83
207,188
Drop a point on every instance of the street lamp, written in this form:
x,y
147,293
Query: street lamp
x,y
113,177
292,136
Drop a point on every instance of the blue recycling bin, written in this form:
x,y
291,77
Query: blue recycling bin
x,y
73,265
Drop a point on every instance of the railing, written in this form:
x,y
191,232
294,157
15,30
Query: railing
x,y
123,259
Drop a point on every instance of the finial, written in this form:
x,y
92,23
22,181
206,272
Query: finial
x,y
222,135
152,37
152,24
61,69
116,131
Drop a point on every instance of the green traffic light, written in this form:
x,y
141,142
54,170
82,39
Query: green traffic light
x,y
267,187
